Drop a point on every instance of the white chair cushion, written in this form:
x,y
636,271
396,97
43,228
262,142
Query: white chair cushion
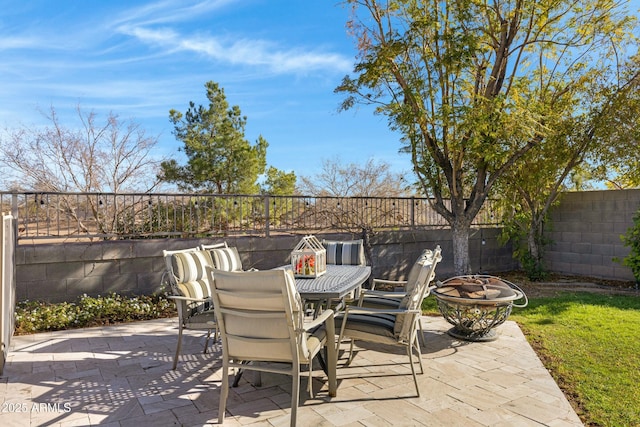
x,y
189,270
226,259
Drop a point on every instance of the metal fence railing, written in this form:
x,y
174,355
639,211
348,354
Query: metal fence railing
x,y
83,216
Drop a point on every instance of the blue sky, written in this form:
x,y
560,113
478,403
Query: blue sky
x,y
278,60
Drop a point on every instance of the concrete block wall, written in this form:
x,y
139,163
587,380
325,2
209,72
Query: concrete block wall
x,y
585,229
63,271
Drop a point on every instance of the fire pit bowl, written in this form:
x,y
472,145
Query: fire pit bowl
x,y
475,305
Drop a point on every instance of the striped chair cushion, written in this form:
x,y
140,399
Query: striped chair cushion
x,y
189,271
226,259
381,302
376,324
349,252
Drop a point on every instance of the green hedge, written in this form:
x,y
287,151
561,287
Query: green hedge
x,y
36,316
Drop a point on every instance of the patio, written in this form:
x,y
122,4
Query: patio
x,y
121,376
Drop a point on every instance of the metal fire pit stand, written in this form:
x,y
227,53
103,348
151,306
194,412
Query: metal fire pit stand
x,y
475,318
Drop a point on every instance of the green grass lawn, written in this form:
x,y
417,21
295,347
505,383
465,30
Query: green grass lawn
x,y
591,345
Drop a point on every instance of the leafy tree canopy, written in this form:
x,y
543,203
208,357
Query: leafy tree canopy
x,y
474,86
279,183
220,159
597,139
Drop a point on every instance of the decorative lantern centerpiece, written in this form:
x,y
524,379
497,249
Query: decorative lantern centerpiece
x,y
309,258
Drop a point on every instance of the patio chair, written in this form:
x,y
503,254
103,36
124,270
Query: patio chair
x,y
262,326
391,299
224,257
191,292
391,326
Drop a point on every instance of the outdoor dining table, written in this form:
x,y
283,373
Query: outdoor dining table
x,y
338,282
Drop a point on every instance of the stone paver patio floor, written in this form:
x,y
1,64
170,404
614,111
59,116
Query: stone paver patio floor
x,y
121,376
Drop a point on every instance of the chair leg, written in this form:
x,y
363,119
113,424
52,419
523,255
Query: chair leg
x,y
178,347
295,394
321,360
351,355
421,333
206,342
237,376
413,369
258,382
419,352
331,363
224,391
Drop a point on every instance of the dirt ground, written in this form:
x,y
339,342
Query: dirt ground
x,y
555,283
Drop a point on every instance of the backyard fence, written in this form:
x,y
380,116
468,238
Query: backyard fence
x,y
83,216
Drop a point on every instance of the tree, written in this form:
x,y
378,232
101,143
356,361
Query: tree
x,y
473,86
279,183
353,180
109,157
617,160
362,182
220,159
113,156
601,131
632,239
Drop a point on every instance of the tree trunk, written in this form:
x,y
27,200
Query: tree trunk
x,y
461,231
532,244
535,247
366,233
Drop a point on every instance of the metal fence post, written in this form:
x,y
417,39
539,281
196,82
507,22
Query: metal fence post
x,y
413,212
16,218
266,216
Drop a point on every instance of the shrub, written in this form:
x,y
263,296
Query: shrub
x,y
37,316
632,240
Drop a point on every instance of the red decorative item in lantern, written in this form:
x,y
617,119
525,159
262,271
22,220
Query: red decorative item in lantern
x,y
309,258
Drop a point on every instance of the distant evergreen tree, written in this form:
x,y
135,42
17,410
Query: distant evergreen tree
x,y
220,159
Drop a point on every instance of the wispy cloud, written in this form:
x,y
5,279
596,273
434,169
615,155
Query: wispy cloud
x,y
279,61
168,11
243,52
18,42
237,49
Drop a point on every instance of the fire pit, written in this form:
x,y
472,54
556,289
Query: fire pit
x,y
476,305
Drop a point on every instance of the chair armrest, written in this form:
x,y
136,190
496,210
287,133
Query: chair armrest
x,y
382,294
367,310
388,282
429,289
188,299
322,318
378,294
